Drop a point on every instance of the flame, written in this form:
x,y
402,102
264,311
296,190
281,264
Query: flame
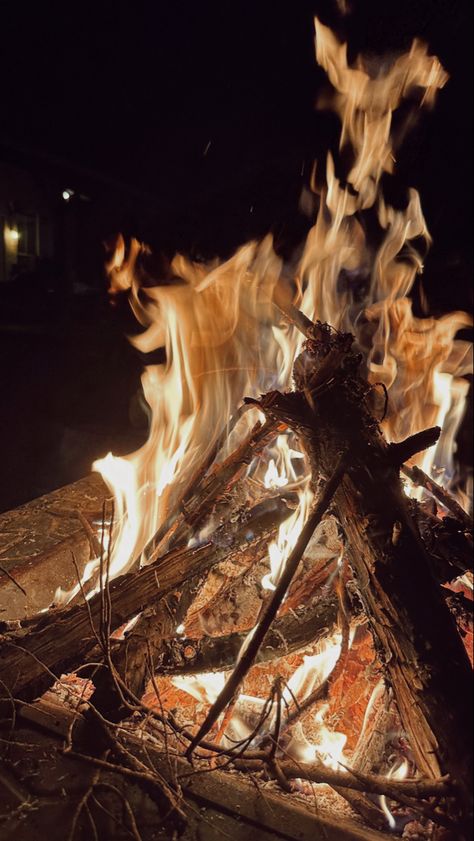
x,y
366,99
326,745
288,533
204,687
215,326
329,747
398,771
363,288
280,473
314,670
223,337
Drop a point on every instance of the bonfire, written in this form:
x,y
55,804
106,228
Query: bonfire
x,y
279,586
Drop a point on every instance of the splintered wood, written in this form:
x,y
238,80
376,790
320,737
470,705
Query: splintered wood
x,y
344,668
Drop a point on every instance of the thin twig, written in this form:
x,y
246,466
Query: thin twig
x,y
82,804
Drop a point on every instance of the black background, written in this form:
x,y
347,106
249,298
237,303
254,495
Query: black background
x,y
206,112
139,90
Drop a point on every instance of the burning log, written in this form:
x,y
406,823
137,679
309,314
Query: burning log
x,y
414,632
421,479
41,649
292,632
144,645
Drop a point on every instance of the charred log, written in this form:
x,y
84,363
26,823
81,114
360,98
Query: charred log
x,y
292,632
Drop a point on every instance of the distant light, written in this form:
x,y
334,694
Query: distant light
x,y
13,234
67,194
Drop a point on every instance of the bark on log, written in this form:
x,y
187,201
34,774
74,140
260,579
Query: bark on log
x,y
415,634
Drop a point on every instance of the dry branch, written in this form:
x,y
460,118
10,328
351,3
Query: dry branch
x,y
316,772
421,479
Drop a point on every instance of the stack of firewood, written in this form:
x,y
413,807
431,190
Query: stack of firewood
x,y
368,558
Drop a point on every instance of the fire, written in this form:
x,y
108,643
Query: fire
x,y
224,339
288,533
329,747
281,470
204,687
366,99
398,771
323,744
216,328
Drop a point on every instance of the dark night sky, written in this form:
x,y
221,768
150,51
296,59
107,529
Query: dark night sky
x,y
137,92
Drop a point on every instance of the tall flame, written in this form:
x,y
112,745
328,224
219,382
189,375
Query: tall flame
x,y
224,339
217,331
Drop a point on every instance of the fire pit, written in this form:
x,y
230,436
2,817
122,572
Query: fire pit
x,y
269,617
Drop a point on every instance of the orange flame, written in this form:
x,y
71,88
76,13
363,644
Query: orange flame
x,y
224,338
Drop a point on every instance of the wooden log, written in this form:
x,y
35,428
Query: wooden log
x,y
416,637
43,648
372,742
36,541
135,656
292,632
